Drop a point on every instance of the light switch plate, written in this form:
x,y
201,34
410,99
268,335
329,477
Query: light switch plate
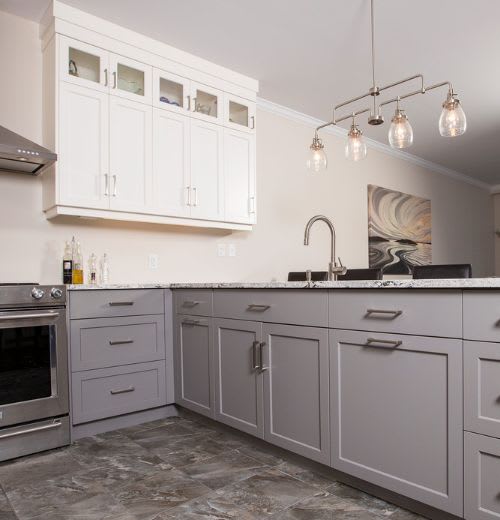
x,y
153,261
231,250
221,249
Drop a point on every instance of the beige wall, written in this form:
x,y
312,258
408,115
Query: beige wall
x,y
31,247
496,202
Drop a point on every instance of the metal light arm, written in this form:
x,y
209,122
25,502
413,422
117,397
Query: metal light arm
x,y
336,121
423,90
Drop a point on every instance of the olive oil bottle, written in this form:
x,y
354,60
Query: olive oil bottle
x,y
78,265
67,264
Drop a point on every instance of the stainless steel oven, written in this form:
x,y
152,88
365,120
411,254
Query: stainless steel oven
x,y
34,401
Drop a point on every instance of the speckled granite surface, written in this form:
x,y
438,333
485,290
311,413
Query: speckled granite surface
x,y
471,283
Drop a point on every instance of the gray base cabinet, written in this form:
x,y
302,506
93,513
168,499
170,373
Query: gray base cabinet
x,y
194,381
296,390
239,381
482,477
397,414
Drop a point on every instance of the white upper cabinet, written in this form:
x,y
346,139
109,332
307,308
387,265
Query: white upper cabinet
x,y
130,155
206,103
207,171
144,132
239,176
130,79
239,113
84,64
83,147
171,174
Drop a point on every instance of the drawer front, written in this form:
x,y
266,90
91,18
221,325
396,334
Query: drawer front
x,y
199,303
482,315
108,342
108,392
117,302
481,477
296,307
423,313
482,388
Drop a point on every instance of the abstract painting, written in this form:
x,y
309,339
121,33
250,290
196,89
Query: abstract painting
x,y
399,230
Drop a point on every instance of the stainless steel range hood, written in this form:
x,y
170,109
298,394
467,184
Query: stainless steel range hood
x,y
20,155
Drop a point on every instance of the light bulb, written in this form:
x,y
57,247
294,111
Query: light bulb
x,y
452,121
317,160
355,148
400,132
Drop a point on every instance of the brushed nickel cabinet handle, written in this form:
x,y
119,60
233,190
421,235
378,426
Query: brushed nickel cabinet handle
x,y
393,314
252,127
390,342
191,303
261,357
120,304
105,77
106,185
251,202
114,80
189,104
120,342
255,355
188,195
188,321
114,186
195,193
122,390
257,307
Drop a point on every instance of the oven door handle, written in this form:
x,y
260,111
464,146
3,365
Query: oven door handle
x,y
40,315
55,424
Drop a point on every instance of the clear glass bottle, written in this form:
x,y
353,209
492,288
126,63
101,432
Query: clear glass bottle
x,y
78,265
67,264
93,269
105,269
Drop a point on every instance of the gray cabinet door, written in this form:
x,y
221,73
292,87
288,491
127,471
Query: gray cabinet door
x,y
194,364
296,391
239,382
397,414
482,388
482,477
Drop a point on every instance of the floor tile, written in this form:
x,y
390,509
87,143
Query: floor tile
x,y
6,511
306,474
222,470
361,499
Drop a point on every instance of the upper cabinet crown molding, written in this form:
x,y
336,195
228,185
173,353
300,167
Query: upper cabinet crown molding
x,y
207,182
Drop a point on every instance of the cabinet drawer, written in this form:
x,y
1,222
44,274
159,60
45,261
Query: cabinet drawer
x,y
199,303
482,388
481,477
98,394
118,302
108,342
424,313
297,307
482,315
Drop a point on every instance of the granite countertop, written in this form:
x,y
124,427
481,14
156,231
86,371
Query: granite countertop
x,y
468,283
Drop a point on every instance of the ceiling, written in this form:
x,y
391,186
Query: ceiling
x,y
312,54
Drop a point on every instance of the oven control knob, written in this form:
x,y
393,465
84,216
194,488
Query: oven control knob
x,y
37,293
56,293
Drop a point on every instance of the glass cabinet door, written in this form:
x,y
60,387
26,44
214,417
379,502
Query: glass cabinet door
x,y
171,92
84,64
206,103
130,79
239,113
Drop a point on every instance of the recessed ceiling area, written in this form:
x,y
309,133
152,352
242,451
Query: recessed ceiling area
x,y
309,56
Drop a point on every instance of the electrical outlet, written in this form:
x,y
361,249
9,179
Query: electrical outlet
x,y
221,249
153,261
232,250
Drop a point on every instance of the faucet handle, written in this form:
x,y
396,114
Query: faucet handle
x,y
339,269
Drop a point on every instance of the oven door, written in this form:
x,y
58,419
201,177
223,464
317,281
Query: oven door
x,y
33,365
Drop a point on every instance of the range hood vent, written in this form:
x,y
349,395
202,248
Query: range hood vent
x,y
20,155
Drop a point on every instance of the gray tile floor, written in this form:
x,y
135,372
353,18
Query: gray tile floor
x,y
179,468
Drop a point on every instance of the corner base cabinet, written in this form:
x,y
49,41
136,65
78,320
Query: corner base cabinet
x,y
397,414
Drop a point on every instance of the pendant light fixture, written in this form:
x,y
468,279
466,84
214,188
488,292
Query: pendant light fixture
x,y
452,121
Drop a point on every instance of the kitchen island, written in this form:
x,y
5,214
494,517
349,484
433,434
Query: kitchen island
x,y
391,383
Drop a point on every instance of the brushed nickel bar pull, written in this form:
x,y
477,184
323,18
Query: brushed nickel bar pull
x,y
189,103
120,342
252,127
105,77
256,364
106,185
120,304
188,195
191,303
122,391
114,79
261,357
29,316
195,192
114,186
258,307
394,314
392,343
190,322
55,424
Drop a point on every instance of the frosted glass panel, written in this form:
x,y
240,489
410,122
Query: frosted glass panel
x,y
130,79
84,65
238,113
171,92
206,103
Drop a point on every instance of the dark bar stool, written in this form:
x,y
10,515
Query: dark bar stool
x,y
361,274
442,271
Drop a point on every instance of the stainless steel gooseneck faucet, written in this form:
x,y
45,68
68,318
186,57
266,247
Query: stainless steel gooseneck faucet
x,y
334,269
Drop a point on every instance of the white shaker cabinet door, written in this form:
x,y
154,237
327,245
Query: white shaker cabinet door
x,y
207,171
131,152
171,190
83,147
239,176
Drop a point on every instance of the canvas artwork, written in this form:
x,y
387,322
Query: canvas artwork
x,y
399,230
